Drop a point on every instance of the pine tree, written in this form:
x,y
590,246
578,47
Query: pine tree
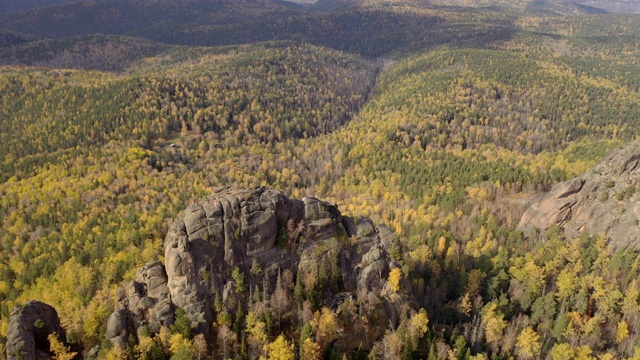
x,y
182,324
238,324
298,291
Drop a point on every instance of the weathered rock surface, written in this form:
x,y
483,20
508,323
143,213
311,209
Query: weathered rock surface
x,y
603,201
29,326
235,227
149,298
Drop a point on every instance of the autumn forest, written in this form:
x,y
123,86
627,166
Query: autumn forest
x,y
440,121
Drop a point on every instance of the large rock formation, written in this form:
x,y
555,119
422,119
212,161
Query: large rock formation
x,y
603,201
29,326
237,228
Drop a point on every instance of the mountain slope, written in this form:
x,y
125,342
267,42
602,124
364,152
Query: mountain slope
x,y
251,94
558,7
615,6
239,103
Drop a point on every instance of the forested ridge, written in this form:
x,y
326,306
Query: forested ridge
x,y
439,122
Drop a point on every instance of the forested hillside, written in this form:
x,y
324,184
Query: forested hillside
x,y
370,31
106,128
438,122
93,52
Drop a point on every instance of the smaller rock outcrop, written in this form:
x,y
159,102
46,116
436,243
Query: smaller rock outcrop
x,y
149,298
602,201
119,324
29,327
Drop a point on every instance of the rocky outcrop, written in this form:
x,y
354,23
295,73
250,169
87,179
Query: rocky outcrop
x,y
149,298
603,201
237,228
29,326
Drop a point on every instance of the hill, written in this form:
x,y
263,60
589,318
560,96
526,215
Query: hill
x,y
97,52
93,109
13,6
438,116
367,31
121,17
621,7
558,7
10,38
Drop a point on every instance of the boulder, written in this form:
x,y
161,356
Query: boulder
x,y
119,328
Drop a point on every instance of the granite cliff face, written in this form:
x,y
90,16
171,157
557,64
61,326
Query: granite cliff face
x,y
603,201
237,228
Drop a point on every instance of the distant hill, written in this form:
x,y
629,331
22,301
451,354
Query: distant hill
x,y
10,37
302,2
366,30
95,52
123,17
615,6
11,6
530,6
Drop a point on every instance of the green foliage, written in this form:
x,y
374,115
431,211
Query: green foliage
x,y
40,333
239,322
238,278
256,269
306,332
544,308
298,290
94,52
282,236
156,352
182,324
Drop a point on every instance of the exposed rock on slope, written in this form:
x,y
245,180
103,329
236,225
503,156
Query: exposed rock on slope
x,y
237,227
29,327
604,200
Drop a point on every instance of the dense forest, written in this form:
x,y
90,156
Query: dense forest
x,y
437,121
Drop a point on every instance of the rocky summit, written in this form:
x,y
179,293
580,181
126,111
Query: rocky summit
x,y
235,231
602,201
